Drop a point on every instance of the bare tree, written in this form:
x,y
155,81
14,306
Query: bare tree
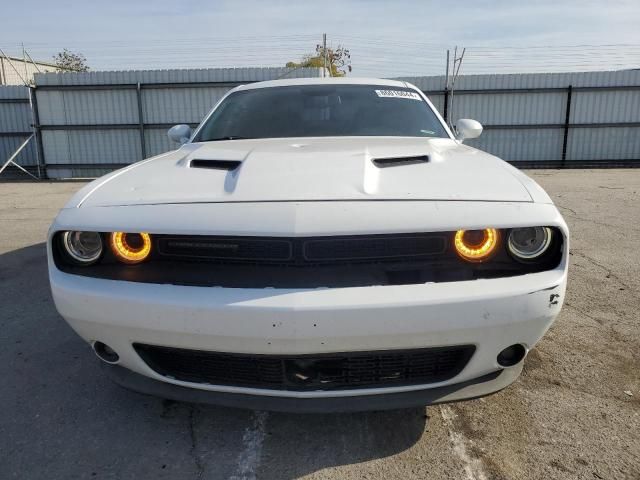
x,y
67,60
338,60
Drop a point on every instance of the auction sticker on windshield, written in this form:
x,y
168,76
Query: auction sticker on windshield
x,y
398,94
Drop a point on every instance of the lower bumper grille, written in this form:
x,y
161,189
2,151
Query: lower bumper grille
x,y
333,371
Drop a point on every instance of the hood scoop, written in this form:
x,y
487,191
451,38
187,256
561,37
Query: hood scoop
x,y
400,161
228,165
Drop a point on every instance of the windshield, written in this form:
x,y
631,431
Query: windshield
x,y
322,111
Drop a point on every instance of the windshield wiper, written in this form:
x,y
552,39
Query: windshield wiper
x,y
228,137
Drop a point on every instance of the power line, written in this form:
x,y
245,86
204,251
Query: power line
x,y
380,56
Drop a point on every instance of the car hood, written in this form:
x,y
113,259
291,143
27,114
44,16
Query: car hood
x,y
310,169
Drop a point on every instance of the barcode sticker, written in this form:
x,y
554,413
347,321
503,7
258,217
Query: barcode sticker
x,y
398,94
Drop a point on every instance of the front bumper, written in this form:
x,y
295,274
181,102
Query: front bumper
x,y
479,387
490,314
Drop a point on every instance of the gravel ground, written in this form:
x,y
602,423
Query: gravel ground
x,y
567,417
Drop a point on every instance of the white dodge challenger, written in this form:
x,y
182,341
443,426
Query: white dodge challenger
x,y
314,245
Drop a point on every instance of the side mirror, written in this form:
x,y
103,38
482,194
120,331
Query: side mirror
x,y
180,133
467,128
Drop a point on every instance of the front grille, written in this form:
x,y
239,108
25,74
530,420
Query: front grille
x,y
226,248
373,248
333,371
304,251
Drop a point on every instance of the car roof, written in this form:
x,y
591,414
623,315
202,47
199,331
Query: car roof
x,y
324,81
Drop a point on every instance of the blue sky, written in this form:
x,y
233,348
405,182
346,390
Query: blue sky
x,y
386,38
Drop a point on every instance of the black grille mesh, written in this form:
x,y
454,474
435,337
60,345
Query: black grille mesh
x,y
373,248
309,372
298,251
226,248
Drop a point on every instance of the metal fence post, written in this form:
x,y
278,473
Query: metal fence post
x,y
567,125
143,145
42,165
446,105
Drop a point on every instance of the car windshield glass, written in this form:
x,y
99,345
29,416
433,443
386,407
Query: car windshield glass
x,y
322,111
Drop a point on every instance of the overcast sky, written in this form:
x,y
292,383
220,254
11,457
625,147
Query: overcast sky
x,y
386,38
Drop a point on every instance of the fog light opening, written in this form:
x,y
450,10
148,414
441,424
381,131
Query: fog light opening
x,y
105,353
512,355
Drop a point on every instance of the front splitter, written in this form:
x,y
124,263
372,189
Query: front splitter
x,y
478,387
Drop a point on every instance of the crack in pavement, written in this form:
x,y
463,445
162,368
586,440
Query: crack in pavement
x,y
567,208
253,438
575,216
608,271
599,321
194,445
473,467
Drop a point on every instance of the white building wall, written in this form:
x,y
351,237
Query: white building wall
x,y
15,71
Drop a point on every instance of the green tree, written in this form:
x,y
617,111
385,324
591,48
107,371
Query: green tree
x,y
338,60
66,60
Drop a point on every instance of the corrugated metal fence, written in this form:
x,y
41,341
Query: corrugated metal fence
x,y
15,126
549,119
91,123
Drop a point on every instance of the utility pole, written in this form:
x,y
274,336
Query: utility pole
x,y
324,54
446,74
455,70
446,91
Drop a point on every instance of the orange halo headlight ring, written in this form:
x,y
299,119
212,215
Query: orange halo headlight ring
x,y
476,245
130,248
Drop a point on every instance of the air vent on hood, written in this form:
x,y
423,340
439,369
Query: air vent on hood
x,y
399,161
215,164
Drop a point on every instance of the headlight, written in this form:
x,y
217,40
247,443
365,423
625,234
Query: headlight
x,y
476,245
130,247
84,248
529,243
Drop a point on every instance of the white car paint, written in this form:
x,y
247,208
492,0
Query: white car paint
x,y
491,314
306,187
468,128
304,169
